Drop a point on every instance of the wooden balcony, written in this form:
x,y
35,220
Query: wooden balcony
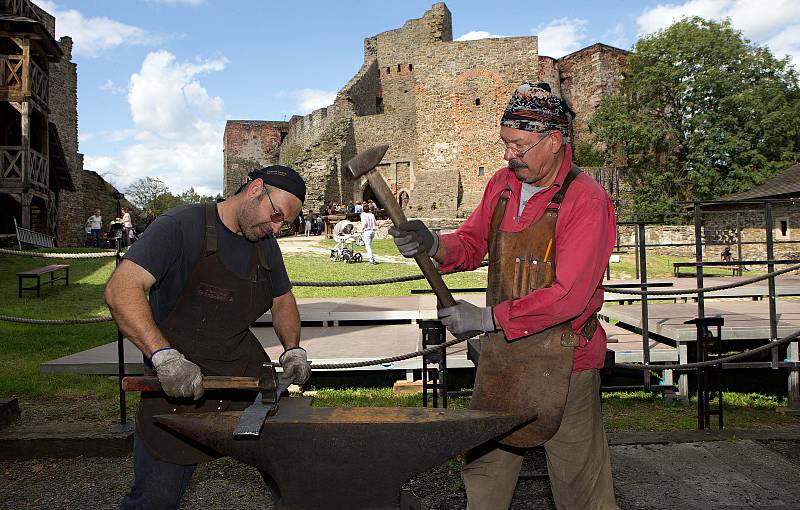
x,y
14,168
13,83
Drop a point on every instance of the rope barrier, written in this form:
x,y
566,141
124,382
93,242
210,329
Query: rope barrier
x,y
732,285
49,255
56,322
429,350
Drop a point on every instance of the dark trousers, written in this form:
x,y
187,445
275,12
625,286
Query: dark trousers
x,y
156,485
96,236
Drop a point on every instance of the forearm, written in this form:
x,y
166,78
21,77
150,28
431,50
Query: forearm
x,y
125,297
286,320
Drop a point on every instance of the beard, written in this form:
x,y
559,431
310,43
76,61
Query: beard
x,y
249,226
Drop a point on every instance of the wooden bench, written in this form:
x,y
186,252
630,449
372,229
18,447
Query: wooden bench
x,y
736,270
38,272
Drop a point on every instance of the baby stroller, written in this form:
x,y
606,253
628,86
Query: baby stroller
x,y
344,251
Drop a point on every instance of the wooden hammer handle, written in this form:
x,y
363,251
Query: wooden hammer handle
x,y
396,214
214,382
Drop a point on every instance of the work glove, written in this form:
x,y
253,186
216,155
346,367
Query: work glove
x,y
465,317
178,376
413,238
295,365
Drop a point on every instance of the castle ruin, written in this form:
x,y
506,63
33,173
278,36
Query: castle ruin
x,y
435,101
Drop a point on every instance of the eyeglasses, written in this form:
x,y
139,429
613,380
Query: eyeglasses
x,y
277,215
519,153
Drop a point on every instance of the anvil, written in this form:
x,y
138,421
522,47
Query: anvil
x,y
349,457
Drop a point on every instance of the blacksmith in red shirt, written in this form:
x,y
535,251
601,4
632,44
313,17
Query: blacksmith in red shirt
x,y
548,230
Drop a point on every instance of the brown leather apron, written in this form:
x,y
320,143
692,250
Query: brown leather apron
x,y
530,373
210,325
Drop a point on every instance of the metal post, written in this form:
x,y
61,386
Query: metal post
x,y
123,412
636,246
698,256
739,241
642,257
773,314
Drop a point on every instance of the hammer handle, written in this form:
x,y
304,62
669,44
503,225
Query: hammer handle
x,y
396,214
211,382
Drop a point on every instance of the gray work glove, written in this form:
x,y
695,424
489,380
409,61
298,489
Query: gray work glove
x,y
413,238
295,365
465,317
178,376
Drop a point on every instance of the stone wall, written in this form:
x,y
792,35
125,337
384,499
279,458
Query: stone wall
x,y
438,103
249,144
461,94
587,76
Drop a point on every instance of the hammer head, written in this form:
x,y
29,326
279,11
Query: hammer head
x,y
365,161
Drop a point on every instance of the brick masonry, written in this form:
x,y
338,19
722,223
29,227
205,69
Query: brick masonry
x,y
437,102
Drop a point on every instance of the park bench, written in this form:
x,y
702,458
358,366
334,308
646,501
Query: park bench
x,y
736,270
37,274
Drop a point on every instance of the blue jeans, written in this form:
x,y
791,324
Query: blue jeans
x,y
367,236
156,485
96,236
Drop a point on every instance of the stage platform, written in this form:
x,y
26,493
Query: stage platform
x,y
744,320
344,330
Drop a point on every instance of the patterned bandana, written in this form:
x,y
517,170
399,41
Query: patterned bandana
x,y
533,107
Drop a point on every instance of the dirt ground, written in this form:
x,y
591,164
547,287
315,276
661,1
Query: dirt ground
x,y
730,475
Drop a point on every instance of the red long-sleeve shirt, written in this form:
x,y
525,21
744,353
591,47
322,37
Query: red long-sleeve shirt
x,y
585,234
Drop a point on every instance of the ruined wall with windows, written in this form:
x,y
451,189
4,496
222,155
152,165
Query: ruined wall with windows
x,y
437,103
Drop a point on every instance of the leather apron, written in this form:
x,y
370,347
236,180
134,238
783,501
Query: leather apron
x,y
530,373
210,325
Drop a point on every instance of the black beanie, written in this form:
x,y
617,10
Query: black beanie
x,y
281,177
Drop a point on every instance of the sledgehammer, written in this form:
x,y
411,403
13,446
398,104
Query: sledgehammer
x,y
364,163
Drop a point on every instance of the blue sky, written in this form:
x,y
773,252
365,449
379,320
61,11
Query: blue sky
x,y
157,79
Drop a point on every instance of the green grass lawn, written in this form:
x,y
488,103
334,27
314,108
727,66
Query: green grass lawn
x,y
83,397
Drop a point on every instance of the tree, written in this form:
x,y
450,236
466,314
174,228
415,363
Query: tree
x,y
190,196
143,191
702,113
164,202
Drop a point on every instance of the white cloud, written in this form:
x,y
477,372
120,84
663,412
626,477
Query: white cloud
x,y
112,87
561,36
308,100
774,23
178,127
93,36
478,34
616,36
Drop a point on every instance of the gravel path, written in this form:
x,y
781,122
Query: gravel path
x,y
100,483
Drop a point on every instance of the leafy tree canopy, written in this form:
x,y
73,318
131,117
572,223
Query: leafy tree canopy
x,y
151,193
702,113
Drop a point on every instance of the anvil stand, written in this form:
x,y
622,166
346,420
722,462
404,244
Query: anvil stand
x,y
434,378
709,379
347,458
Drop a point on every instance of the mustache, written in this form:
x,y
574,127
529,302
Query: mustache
x,y
516,164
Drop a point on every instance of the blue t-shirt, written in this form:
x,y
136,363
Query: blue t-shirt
x,y
171,246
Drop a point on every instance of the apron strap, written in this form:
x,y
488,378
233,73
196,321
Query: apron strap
x,y
211,230
559,196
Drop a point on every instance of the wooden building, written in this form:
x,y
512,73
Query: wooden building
x,y
33,168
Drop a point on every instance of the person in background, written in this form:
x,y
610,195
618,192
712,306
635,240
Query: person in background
x,y
359,208
309,221
369,226
95,223
128,234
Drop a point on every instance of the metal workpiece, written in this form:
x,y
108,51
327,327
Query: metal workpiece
x,y
345,458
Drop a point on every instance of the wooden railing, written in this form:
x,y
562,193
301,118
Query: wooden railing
x,y
22,8
38,171
11,71
11,162
39,83
11,166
